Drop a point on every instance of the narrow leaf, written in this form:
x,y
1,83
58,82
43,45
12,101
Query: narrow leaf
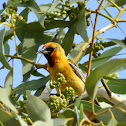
x,y
117,85
104,69
103,58
122,43
20,32
69,114
7,119
118,2
68,39
81,115
6,48
60,7
53,5
31,85
59,36
75,52
82,25
2,57
72,2
77,103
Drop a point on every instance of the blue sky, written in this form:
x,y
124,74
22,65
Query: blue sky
x,y
102,22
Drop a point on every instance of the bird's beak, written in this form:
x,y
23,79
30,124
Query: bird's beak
x,y
43,50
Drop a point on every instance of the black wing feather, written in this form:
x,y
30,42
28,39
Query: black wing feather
x,y
77,71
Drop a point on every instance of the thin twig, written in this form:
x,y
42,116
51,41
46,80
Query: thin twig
x,y
106,87
93,37
27,60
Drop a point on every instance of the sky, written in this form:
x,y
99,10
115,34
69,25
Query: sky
x,y
102,22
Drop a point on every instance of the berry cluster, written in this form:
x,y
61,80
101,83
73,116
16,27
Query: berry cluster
x,y
56,103
114,75
69,93
10,12
55,14
99,46
60,80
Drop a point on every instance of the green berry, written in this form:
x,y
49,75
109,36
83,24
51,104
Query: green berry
x,y
88,23
4,5
102,42
99,54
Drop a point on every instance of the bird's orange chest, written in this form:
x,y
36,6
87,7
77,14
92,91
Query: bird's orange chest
x,y
57,68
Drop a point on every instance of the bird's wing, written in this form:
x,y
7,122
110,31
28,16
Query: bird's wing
x,y
77,71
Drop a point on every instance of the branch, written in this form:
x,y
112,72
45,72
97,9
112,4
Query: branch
x,y
83,48
38,65
93,11
113,99
93,37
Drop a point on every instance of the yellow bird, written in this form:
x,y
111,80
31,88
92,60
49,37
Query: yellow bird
x,y
59,63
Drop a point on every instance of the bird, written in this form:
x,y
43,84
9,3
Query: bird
x,y
59,63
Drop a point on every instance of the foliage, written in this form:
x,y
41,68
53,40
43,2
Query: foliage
x,y
52,21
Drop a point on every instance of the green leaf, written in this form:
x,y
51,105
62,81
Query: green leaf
x,y
53,5
8,34
103,58
120,42
6,48
117,85
31,85
39,91
77,103
51,122
81,115
68,39
32,41
69,114
72,2
20,32
59,36
49,24
82,25
1,10
21,121
88,106
112,122
60,7
118,2
2,57
75,52
38,109
104,69
33,6
7,119
118,114
5,92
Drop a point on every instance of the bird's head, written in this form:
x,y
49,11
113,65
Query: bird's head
x,y
52,51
